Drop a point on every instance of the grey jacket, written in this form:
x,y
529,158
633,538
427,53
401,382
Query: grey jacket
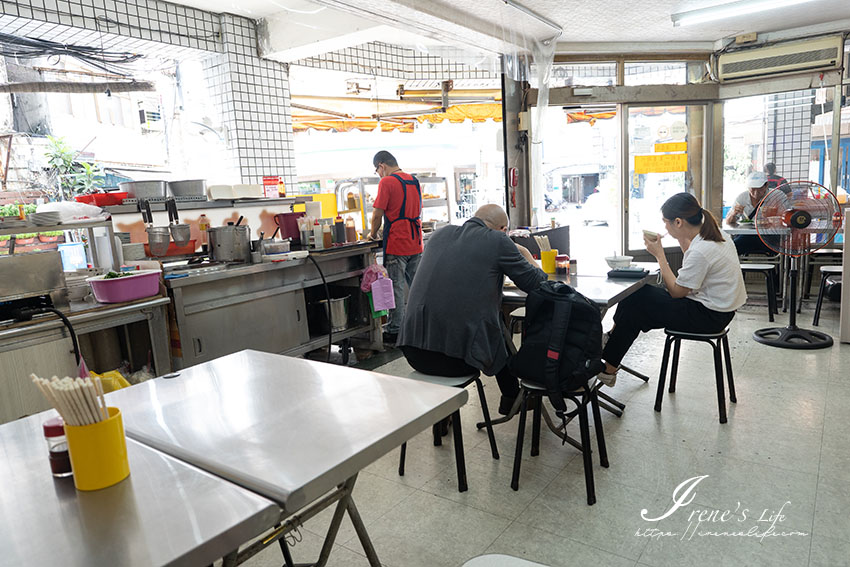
x,y
454,301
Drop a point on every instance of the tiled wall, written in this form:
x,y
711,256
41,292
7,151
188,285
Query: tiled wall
x,y
252,94
385,60
253,97
788,133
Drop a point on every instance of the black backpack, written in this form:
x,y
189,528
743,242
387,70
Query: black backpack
x,y
562,344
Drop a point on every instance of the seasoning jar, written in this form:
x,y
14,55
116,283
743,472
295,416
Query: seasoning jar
x,y
562,264
57,447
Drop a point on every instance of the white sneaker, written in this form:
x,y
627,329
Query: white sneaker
x,y
608,379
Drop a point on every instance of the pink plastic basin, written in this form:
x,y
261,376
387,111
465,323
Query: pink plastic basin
x,y
143,283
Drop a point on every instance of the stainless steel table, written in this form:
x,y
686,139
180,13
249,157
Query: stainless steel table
x,y
165,513
288,429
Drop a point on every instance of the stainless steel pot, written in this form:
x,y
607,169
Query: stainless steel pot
x,y
144,189
193,188
230,243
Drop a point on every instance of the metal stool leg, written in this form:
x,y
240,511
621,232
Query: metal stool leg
x,y
459,458
597,424
535,425
729,379
486,411
585,453
662,376
519,438
771,295
819,304
435,430
401,459
674,371
718,375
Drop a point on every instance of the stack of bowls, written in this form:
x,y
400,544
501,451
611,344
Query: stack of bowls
x,y
45,219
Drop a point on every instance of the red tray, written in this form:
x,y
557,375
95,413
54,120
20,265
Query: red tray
x,y
103,199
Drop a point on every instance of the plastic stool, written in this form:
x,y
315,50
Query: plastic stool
x,y
769,271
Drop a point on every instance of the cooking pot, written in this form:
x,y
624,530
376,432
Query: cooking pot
x,y
191,187
230,243
144,189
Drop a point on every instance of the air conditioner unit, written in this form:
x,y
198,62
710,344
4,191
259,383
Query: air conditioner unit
x,y
816,54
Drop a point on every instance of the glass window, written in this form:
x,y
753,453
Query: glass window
x,y
656,73
586,74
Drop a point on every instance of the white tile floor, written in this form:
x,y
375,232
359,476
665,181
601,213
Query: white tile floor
x,y
786,442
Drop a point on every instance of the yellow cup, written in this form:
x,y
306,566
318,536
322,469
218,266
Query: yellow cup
x,y
98,452
547,260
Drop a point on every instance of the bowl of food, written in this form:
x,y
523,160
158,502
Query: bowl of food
x,y
651,236
615,262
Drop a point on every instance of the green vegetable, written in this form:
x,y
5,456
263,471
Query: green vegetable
x,y
113,275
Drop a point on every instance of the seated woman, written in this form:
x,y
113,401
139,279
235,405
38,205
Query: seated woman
x,y
701,299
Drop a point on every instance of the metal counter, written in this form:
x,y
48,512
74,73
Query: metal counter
x,y
165,513
263,306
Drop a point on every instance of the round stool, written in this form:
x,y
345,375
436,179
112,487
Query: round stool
x,y
719,342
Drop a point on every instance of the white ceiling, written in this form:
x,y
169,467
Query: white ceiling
x,y
593,23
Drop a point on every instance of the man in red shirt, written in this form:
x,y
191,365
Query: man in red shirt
x,y
399,207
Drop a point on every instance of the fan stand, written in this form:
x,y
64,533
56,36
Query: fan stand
x,y
792,336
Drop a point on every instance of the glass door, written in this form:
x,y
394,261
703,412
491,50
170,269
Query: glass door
x,y
666,144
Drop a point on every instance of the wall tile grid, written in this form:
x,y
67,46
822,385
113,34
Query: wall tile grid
x,y
385,60
788,133
251,94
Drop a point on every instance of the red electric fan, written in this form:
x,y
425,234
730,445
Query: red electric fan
x,y
795,220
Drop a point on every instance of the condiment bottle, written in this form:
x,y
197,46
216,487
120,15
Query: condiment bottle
x,y
317,235
327,236
562,264
203,226
339,230
350,230
57,447
21,214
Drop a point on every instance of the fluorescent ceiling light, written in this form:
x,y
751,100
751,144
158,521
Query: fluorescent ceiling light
x,y
730,10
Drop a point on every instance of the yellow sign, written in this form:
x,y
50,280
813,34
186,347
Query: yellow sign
x,y
661,164
671,147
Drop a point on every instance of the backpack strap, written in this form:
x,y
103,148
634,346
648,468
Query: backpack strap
x,y
560,323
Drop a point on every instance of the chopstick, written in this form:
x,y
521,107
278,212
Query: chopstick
x,y
79,401
543,243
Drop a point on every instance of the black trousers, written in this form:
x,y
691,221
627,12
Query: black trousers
x,y
653,308
439,364
751,244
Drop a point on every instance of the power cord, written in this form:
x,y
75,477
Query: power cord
x,y
26,314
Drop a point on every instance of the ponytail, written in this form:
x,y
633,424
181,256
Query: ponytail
x,y
685,206
709,229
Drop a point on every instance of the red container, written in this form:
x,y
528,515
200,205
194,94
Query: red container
x,y
102,199
174,250
288,223
143,283
88,199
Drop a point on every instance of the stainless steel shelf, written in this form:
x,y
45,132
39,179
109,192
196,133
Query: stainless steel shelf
x,y
322,340
51,228
217,204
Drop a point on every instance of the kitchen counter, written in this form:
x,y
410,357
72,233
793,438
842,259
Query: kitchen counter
x,y
42,346
270,306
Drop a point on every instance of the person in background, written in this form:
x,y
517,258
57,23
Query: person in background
x,y
744,210
398,207
702,298
453,322
773,180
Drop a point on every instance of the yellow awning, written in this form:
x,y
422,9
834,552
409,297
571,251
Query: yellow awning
x,y
348,125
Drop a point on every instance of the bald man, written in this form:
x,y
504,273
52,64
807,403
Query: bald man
x,y
452,324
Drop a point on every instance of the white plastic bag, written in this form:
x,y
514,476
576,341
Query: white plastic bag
x,y
71,211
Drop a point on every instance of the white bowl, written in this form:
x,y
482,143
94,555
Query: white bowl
x,y
615,262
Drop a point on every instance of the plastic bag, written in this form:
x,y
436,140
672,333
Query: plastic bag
x,y
370,274
70,211
382,294
112,380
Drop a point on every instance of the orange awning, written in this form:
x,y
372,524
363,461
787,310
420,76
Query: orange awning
x,y
364,125
591,117
460,112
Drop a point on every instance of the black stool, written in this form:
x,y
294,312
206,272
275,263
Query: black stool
x,y
460,462
769,271
825,272
718,341
581,397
